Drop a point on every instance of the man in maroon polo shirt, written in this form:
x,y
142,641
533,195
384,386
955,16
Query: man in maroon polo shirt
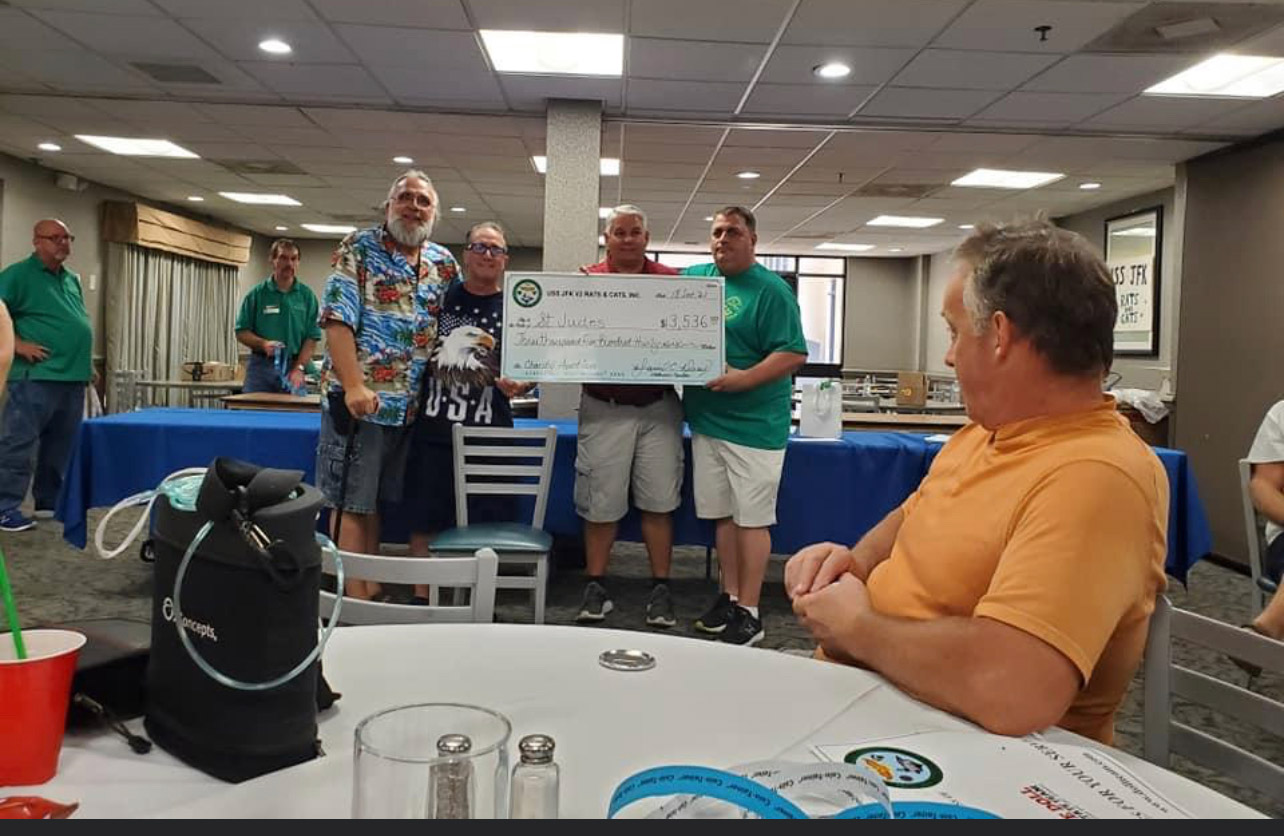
x,y
630,437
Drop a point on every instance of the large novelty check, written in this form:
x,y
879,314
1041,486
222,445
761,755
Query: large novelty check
x,y
572,328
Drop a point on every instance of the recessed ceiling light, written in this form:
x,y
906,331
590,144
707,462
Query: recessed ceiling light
x,y
458,209
896,250
848,248
281,228
138,147
554,53
195,198
967,226
329,229
1087,187
905,220
1234,76
608,167
833,69
261,199
708,217
403,160
995,178
1135,232
49,146
275,46
748,175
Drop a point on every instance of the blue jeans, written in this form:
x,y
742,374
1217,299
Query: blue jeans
x,y
40,423
261,375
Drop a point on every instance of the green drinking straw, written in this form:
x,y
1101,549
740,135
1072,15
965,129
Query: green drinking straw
x,y
11,611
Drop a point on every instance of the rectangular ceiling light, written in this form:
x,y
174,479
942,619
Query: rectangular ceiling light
x,y
997,178
847,248
138,147
609,166
905,220
261,199
1135,232
554,53
329,229
1232,76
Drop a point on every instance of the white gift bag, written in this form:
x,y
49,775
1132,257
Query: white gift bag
x,y
821,410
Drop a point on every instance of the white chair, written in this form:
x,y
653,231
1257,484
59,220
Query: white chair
x,y
530,474
1263,587
1165,736
475,573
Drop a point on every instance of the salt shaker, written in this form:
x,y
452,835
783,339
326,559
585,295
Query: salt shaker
x,y
451,781
535,780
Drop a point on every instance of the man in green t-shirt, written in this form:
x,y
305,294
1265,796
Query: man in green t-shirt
x,y
278,324
740,421
53,340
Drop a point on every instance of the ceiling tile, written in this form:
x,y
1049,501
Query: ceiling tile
x,y
762,138
1048,108
255,116
971,70
870,65
319,81
550,15
413,87
1108,73
21,31
532,92
654,152
1009,24
708,20
123,7
1162,112
240,9
435,53
806,100
135,37
427,14
711,97
895,23
670,134
76,71
1255,118
916,103
237,38
693,60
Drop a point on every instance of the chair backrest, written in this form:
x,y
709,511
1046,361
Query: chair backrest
x,y
1165,679
1253,533
476,573
529,474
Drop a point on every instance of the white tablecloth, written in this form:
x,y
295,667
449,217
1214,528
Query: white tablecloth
x,y
705,703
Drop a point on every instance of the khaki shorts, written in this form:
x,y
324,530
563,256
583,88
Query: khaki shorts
x,y
622,447
732,480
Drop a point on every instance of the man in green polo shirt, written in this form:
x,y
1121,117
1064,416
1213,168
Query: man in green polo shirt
x,y
278,323
53,340
740,421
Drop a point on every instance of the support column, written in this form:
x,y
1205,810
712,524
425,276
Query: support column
x,y
571,189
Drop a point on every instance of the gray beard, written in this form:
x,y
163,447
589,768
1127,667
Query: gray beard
x,y
406,235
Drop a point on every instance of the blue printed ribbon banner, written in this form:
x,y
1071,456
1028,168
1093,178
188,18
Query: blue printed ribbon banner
x,y
573,328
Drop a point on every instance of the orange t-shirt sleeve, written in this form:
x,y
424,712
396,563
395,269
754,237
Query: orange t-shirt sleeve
x,y
1081,553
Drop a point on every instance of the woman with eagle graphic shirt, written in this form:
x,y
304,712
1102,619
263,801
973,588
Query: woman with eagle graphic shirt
x,y
462,386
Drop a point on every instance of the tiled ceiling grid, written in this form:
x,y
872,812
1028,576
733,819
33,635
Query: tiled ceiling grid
x,y
938,87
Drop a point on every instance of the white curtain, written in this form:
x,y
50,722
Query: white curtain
x,y
164,310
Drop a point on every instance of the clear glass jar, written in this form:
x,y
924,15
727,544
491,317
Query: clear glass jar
x,y
535,785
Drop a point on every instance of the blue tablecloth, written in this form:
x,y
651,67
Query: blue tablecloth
x,y
831,490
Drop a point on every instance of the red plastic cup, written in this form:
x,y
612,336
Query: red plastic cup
x,y
34,693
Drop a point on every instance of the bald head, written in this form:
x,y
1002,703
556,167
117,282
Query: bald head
x,y
52,241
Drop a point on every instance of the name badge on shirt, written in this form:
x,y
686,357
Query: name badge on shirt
x,y
267,309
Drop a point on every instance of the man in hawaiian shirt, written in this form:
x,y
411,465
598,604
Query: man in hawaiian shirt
x,y
379,312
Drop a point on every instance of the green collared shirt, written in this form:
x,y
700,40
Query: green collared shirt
x,y
48,309
289,318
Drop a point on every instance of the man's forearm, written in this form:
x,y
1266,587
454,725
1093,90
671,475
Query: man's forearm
x,y
773,367
876,545
251,340
305,353
1268,500
343,355
6,344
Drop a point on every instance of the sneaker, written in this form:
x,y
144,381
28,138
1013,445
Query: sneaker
x,y
659,607
13,520
743,629
717,617
595,605
43,514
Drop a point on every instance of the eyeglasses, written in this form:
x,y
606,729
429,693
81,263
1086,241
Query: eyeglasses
x,y
423,201
493,250
58,239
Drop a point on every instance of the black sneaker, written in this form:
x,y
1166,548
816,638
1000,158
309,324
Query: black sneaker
x,y
743,629
717,617
595,605
659,607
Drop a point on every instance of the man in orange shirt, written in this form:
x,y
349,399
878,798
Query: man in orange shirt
x,y
1014,587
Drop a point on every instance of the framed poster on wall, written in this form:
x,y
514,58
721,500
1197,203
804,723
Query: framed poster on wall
x,y
1133,246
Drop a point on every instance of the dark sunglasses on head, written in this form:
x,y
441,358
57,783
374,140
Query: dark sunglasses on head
x,y
493,250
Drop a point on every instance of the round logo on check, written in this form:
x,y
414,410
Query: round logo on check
x,y
527,293
897,767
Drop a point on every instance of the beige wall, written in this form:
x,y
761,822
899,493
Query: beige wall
x,y
1230,339
1145,372
880,302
